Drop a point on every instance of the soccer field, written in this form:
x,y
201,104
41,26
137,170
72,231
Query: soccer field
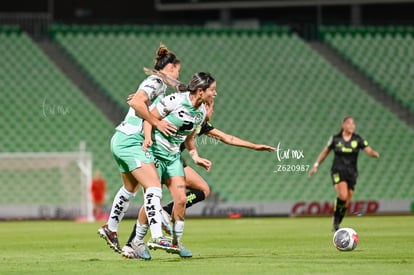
x,y
219,246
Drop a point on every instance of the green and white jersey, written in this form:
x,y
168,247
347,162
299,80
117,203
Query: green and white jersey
x,y
177,110
155,88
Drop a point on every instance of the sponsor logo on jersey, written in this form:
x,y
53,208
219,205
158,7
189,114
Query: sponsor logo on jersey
x,y
157,80
354,144
150,86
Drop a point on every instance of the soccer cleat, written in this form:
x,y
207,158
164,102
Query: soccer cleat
x,y
184,252
127,249
166,222
137,250
110,237
163,243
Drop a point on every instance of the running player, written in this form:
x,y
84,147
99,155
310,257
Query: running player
x,y
136,166
198,187
344,171
186,111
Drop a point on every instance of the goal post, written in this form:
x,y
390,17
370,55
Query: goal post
x,y
42,185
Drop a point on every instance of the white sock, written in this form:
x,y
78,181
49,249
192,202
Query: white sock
x,y
140,231
152,205
119,207
178,230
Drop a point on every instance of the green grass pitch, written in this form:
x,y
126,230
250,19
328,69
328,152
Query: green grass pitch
x,y
219,246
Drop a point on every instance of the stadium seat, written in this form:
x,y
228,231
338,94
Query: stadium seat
x,y
281,92
43,111
383,54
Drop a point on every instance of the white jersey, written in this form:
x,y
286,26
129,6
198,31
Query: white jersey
x,y
155,88
177,110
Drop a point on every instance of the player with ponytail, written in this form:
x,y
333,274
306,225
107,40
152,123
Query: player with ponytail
x,y
136,166
198,188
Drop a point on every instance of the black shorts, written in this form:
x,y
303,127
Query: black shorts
x,y
347,176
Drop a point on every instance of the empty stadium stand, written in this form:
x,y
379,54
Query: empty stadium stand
x,y
282,92
44,112
272,88
384,53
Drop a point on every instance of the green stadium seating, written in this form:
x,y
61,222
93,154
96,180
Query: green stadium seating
x,y
281,92
42,111
384,54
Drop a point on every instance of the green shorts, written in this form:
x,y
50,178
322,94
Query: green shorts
x,y
168,165
128,153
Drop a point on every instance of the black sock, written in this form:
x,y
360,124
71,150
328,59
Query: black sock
x,y
193,196
132,235
342,214
339,210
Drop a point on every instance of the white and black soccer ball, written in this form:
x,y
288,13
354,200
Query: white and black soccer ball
x,y
345,239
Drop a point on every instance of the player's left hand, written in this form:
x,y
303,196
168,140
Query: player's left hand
x,y
203,163
264,147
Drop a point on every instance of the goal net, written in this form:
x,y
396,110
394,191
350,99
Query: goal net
x,y
45,185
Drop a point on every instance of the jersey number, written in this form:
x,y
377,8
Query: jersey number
x,y
187,125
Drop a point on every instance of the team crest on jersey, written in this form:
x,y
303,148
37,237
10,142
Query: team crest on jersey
x,y
198,118
354,144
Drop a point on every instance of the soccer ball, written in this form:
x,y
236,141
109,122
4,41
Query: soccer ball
x,y
345,239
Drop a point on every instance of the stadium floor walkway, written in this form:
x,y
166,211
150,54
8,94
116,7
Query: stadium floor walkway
x,y
363,81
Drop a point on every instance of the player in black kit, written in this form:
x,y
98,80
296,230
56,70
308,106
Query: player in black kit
x,y
344,171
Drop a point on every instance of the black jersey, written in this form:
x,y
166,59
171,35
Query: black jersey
x,y
346,153
204,128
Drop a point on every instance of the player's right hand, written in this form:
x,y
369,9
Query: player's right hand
x,y
165,128
147,143
313,171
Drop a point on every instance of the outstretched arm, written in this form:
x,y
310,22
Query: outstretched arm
x,y
371,152
235,141
319,160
